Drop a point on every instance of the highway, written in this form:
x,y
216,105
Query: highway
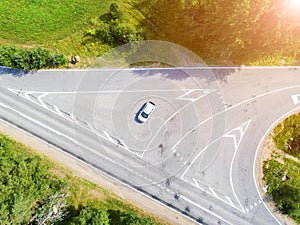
x,y
195,154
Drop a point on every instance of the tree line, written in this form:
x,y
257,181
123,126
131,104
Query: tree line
x,y
224,31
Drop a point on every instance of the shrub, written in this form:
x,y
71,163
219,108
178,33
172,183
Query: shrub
x,y
30,59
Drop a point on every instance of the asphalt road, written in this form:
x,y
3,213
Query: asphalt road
x,y
197,151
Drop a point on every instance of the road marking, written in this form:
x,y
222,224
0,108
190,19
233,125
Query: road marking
x,y
204,92
268,131
196,182
108,136
58,111
123,144
295,99
204,209
229,200
108,92
41,101
65,136
236,68
213,192
165,122
242,129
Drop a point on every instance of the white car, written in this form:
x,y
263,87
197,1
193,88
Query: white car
x,y
145,111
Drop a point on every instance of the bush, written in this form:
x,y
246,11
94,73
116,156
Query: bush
x,y
284,185
91,216
30,59
288,132
25,183
115,28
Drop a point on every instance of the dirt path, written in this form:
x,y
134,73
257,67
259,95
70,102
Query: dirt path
x,y
83,170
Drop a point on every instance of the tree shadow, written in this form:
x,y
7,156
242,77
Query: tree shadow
x,y
182,73
18,73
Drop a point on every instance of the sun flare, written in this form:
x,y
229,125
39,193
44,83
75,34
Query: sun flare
x,y
293,5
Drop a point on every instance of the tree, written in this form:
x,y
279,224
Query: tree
x,y
221,31
53,210
24,183
91,216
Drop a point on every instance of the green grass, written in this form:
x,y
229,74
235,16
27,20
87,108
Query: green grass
x,y
58,25
46,21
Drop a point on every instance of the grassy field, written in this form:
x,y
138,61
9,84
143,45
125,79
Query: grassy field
x,y
55,24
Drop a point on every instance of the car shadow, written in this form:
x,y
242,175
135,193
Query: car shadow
x,y
136,119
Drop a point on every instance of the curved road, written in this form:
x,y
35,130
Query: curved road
x,y
195,154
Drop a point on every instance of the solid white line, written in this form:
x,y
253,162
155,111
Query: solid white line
x,y
100,171
58,111
124,145
196,182
40,98
166,121
108,136
206,210
172,68
229,200
233,158
213,192
63,135
97,133
230,108
268,131
111,91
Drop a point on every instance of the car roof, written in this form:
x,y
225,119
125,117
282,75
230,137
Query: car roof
x,y
149,107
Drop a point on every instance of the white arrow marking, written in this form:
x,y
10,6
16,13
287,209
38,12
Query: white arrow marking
x,y
241,129
295,99
204,91
229,200
196,182
41,101
58,110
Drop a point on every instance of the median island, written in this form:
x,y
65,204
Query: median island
x,y
278,170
